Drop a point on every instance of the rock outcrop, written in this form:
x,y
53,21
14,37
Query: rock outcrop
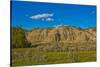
x,y
61,34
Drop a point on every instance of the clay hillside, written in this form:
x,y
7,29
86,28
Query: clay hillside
x,y
66,34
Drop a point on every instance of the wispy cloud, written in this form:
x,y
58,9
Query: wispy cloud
x,y
44,16
49,19
60,25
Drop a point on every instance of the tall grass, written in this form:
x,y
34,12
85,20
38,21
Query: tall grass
x,y
66,53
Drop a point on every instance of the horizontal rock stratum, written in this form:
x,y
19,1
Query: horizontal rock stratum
x,y
61,34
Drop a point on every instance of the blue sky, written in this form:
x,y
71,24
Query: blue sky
x,y
43,15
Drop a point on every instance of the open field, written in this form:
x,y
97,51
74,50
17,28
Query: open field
x,y
35,56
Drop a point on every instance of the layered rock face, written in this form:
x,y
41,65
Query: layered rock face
x,y
61,34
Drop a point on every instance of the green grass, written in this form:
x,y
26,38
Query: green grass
x,y
32,56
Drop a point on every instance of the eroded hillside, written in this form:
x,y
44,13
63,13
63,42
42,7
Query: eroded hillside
x,y
61,34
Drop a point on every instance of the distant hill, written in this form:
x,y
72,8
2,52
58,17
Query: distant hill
x,y
66,34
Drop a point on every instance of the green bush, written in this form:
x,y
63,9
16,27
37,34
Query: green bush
x,y
18,38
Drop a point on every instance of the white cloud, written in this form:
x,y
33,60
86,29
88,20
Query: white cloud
x,y
60,25
44,16
49,19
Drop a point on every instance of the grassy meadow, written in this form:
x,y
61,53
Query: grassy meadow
x,y
53,54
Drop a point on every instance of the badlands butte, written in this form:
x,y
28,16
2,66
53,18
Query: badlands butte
x,y
63,34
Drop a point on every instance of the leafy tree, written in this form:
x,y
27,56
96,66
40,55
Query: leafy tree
x,y
18,38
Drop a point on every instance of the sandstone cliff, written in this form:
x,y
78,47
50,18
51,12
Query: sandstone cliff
x,y
61,34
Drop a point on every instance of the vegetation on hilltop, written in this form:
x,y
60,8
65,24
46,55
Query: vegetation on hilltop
x,y
18,38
